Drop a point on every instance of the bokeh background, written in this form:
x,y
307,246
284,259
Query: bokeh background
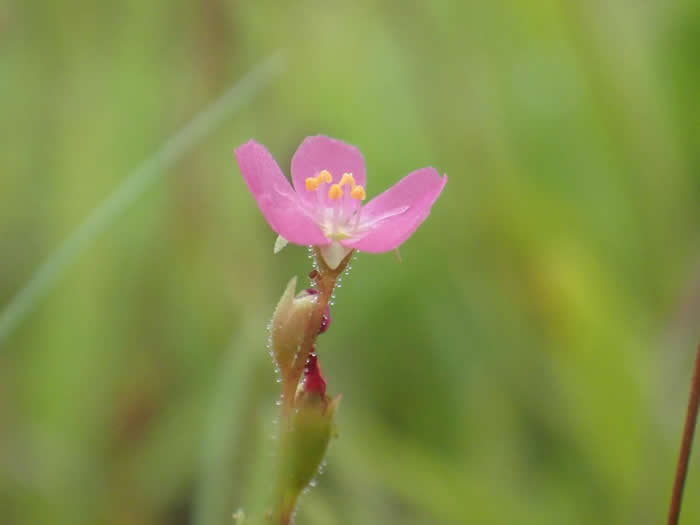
x,y
529,360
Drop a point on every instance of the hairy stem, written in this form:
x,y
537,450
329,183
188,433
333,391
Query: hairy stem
x,y
325,281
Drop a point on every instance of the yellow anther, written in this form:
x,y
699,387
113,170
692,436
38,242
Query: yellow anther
x,y
347,179
336,192
358,192
312,183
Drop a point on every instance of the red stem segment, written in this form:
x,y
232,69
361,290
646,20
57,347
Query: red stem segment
x,y
686,445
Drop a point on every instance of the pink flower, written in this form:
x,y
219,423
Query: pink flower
x,y
324,208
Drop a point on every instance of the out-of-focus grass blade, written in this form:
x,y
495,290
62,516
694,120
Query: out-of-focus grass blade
x,y
256,496
135,184
230,406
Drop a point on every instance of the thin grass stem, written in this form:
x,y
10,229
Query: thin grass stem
x,y
691,418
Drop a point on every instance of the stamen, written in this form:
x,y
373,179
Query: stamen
x,y
312,183
358,192
347,179
336,192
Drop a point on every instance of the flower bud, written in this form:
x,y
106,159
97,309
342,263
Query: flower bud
x,y
288,326
306,439
311,430
313,378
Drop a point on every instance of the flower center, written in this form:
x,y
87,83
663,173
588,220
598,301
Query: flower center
x,y
337,214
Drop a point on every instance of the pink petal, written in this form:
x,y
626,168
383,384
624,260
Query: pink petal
x,y
277,200
395,214
320,153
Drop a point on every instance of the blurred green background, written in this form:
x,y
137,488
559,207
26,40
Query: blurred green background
x,y
529,360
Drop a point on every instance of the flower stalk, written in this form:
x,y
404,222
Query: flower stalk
x,y
325,279
306,412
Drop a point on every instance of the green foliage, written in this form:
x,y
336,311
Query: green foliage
x,y
529,360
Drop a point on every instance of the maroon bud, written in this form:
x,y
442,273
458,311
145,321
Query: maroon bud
x,y
313,378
